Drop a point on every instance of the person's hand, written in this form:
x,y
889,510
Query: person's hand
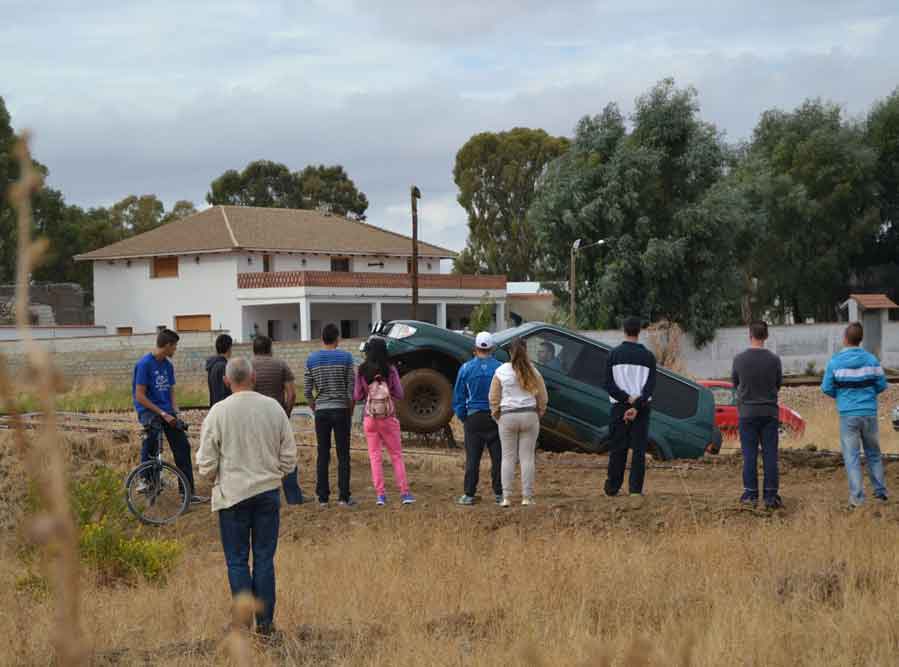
x,y
633,399
312,405
169,419
630,415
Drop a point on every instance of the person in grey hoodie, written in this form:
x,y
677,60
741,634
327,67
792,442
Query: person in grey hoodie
x,y
215,370
855,378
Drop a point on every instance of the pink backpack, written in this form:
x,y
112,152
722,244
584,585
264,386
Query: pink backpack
x,y
379,403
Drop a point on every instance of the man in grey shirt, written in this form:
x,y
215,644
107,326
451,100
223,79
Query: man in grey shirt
x,y
757,376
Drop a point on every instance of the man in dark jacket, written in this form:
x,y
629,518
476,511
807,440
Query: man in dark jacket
x,y
757,376
630,381
215,370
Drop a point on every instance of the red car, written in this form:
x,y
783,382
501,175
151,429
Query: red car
x,y
726,418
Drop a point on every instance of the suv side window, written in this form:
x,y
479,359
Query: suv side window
x,y
591,366
548,349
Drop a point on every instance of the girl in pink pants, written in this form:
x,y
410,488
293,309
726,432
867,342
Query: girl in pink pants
x,y
378,387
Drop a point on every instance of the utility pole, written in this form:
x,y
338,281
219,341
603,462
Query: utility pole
x,y
572,321
416,195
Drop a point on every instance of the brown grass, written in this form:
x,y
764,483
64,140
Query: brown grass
x,y
820,588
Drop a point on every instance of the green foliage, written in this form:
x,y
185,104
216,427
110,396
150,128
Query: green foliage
x,y
103,521
271,184
497,175
668,249
813,179
482,315
116,557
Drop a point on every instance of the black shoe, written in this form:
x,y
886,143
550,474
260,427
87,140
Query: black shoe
x,y
609,490
774,503
749,499
883,499
265,630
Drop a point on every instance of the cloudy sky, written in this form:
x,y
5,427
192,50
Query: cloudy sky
x,y
161,97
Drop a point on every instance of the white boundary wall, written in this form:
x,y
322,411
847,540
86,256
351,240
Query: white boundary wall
x,y
799,347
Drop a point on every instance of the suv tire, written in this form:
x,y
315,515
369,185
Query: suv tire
x,y
428,403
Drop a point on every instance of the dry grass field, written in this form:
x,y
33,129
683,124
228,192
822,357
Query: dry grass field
x,y
683,576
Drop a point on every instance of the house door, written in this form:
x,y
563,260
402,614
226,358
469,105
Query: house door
x,y
274,329
346,329
193,323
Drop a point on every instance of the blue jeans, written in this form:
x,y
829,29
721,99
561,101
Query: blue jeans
x,y
177,441
858,433
756,431
292,491
253,523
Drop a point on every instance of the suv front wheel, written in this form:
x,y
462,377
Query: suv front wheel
x,y
428,403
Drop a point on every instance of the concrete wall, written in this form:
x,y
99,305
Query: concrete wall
x,y
126,296
99,359
58,331
798,346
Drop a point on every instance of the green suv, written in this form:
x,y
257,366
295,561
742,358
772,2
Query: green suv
x,y
574,369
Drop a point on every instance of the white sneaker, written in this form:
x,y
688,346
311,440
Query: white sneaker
x,y
505,503
527,500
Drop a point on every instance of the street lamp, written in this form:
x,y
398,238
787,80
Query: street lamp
x,y
575,248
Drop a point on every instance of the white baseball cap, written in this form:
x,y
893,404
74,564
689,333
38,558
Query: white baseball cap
x,y
484,341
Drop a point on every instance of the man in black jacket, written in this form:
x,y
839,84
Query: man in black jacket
x,y
630,381
215,370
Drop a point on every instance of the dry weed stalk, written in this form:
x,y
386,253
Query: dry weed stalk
x,y
666,339
53,529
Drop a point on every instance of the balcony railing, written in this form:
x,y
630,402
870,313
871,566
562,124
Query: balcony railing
x,y
367,280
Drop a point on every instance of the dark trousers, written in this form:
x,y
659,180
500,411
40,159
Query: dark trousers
x,y
482,432
292,492
177,441
336,422
634,436
253,524
755,432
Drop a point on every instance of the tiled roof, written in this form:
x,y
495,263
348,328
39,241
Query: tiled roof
x,y
871,301
227,228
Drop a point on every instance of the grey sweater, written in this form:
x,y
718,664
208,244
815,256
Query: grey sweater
x,y
757,376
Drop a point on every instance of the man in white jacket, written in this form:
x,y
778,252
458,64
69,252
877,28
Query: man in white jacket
x,y
247,447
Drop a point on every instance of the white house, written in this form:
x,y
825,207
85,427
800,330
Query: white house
x,y
281,272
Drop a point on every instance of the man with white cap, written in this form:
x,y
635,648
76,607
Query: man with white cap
x,y
472,406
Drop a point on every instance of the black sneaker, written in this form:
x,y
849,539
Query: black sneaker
x,y
322,502
774,503
609,490
198,500
349,502
883,498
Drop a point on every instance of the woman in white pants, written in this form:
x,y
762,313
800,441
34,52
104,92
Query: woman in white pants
x,y
517,401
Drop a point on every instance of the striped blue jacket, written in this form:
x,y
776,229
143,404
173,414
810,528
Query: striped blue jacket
x,y
854,377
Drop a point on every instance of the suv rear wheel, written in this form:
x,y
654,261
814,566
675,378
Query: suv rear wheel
x,y
428,402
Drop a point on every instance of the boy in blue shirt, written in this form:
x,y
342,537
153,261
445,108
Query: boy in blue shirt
x,y
472,406
854,378
153,390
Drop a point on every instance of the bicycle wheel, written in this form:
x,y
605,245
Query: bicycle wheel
x,y
157,493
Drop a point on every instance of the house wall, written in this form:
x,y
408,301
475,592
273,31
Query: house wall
x,y
286,315
126,296
360,264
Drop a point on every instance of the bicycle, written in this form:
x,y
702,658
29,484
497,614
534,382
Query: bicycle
x,y
157,492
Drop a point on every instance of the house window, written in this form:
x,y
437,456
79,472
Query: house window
x,y
266,263
409,265
164,267
193,323
340,264
124,331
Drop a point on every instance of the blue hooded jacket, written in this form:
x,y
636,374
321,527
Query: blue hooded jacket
x,y
472,390
854,377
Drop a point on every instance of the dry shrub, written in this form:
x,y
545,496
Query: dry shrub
x,y
666,340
